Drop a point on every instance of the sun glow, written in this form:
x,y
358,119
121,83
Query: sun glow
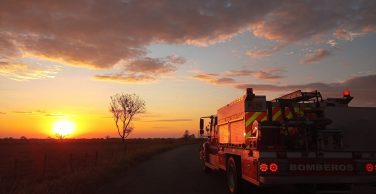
x,y
63,128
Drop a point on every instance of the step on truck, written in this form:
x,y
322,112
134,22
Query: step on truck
x,y
299,138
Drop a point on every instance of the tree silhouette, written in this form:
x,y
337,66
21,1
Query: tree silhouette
x,y
60,136
186,135
124,107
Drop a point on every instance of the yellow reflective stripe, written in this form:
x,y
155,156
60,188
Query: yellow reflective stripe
x,y
253,118
276,115
265,117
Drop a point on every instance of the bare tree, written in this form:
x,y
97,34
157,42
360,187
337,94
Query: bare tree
x,y
60,136
186,135
124,107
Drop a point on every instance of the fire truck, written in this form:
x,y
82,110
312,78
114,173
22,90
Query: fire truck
x,y
299,138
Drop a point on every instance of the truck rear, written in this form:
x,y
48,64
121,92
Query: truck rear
x,y
298,138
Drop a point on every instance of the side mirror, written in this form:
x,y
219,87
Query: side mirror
x,y
201,125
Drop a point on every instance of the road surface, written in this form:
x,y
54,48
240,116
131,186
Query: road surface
x,y
178,172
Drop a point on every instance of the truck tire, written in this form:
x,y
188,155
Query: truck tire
x,y
233,176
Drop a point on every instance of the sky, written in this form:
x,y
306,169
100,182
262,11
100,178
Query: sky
x,y
62,60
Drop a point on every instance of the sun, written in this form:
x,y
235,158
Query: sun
x,y
63,128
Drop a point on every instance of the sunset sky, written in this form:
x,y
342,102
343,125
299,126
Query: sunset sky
x,y
62,60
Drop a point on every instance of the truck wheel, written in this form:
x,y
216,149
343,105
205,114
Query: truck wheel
x,y
233,176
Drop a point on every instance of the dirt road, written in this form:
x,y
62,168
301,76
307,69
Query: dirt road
x,y
178,172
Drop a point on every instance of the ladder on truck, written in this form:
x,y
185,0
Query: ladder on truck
x,y
299,96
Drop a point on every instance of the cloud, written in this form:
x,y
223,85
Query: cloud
x,y
332,42
126,78
53,115
3,113
214,78
101,34
152,65
265,74
315,56
169,120
144,69
40,113
362,88
24,72
23,112
298,20
264,52
341,33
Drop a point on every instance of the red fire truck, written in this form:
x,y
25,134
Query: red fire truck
x,y
299,138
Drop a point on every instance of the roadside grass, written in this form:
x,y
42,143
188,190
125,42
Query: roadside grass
x,y
80,174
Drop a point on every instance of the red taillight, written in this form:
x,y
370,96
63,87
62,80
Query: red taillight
x,y
346,93
370,167
263,167
273,167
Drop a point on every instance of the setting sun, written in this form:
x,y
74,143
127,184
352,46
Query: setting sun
x,y
63,128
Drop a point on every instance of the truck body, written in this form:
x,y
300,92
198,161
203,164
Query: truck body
x,y
299,138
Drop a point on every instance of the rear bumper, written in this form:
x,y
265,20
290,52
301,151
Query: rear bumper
x,y
269,180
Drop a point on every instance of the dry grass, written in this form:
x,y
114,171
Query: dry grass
x,y
71,166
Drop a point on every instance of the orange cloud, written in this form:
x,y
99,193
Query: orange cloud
x,y
24,72
144,69
315,56
214,79
260,53
168,120
125,78
265,74
299,20
101,34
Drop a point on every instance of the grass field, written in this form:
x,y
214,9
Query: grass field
x,y
71,166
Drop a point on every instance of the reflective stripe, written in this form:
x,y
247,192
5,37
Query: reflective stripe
x,y
276,114
288,114
261,116
252,118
